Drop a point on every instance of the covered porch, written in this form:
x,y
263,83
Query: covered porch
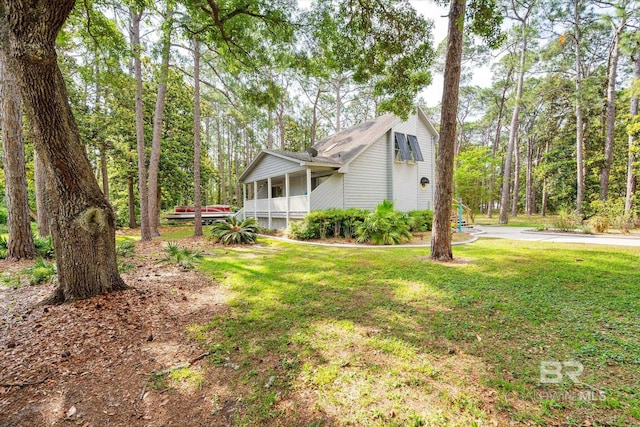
x,y
276,200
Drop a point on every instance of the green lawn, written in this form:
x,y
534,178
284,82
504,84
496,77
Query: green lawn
x,y
328,336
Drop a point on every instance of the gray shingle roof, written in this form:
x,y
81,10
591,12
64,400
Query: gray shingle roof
x,y
346,145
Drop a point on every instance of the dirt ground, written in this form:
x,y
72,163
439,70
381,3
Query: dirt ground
x,y
89,363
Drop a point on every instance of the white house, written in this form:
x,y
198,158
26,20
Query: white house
x,y
383,158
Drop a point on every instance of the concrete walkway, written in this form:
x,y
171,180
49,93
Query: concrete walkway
x,y
527,233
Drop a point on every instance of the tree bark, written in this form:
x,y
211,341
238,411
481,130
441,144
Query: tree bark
x,y
104,172
132,203
441,237
83,225
633,111
196,140
611,111
44,228
145,228
516,180
154,158
529,192
20,241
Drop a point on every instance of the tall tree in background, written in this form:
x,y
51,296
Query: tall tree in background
x,y
521,12
83,226
196,139
632,130
40,179
485,21
154,158
624,10
135,16
20,242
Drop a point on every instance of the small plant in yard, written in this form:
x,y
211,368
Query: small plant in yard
x,y
125,250
184,257
44,246
230,231
4,245
384,226
10,281
42,271
566,221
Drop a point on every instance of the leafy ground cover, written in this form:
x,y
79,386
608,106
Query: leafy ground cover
x,y
310,336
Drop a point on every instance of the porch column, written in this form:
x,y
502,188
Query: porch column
x,y
308,189
269,200
255,200
287,193
244,195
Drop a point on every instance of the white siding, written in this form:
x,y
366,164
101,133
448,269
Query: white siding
x,y
271,166
366,183
408,194
329,194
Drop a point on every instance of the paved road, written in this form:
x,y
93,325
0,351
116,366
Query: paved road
x,y
525,233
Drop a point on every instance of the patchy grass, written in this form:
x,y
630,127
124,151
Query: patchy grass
x,y
521,220
331,336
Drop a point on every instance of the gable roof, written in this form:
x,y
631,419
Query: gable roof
x,y
343,147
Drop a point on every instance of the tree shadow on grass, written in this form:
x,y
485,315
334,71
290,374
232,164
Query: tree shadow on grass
x,y
350,336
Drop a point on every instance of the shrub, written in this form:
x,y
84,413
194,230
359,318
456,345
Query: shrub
x,y
125,249
331,222
3,215
230,231
184,257
44,247
566,220
41,272
4,246
384,226
610,213
420,220
600,223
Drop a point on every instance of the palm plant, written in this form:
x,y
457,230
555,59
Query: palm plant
x,y
230,231
184,257
384,226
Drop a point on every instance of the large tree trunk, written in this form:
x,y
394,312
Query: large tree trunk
x,y
196,140
20,242
83,226
611,112
145,228
39,172
154,158
513,133
633,110
441,237
103,171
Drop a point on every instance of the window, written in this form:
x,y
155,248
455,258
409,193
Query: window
x,y
415,148
401,147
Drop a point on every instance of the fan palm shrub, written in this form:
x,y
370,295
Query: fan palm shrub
x,y
384,226
232,232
